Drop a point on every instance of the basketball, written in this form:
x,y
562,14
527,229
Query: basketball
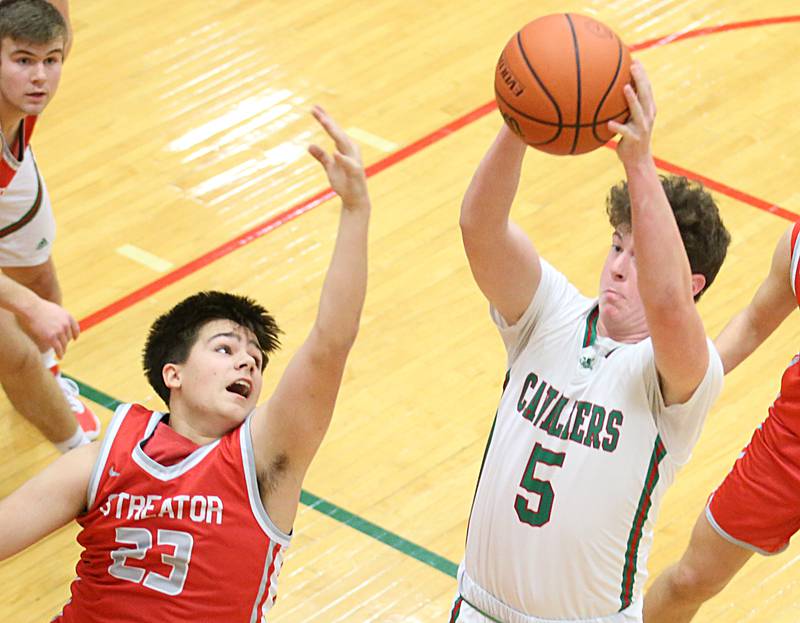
x,y
560,80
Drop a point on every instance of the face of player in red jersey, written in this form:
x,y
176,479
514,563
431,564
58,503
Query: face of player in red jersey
x,y
218,385
621,310
29,75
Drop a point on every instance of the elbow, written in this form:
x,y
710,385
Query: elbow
x,y
336,341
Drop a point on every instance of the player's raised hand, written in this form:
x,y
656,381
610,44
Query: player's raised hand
x,y
637,132
49,326
344,167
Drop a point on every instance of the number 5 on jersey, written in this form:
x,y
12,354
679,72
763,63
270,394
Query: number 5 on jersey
x,y
542,488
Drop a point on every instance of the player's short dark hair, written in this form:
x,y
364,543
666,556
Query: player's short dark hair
x,y
31,21
174,333
704,235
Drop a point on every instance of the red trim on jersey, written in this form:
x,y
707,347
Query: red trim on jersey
x,y
796,277
8,169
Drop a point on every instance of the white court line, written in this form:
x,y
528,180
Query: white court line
x,y
140,256
368,138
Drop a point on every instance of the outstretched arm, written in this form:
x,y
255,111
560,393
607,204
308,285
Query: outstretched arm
x,y
502,258
48,325
288,430
772,302
63,8
47,501
664,276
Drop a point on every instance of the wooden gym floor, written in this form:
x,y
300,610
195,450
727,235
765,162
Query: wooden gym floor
x,y
179,135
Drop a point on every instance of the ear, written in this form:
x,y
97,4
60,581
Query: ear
x,y
698,283
171,373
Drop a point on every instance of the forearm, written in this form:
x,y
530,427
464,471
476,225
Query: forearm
x,y
345,285
15,297
664,274
740,337
63,8
487,202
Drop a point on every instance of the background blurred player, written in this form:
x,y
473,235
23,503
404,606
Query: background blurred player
x,y
34,38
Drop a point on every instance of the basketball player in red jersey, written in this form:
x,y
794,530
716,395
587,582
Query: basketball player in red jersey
x,y
34,328
188,513
757,506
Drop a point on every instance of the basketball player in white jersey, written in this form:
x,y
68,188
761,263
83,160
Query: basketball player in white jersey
x,y
34,328
603,399
185,514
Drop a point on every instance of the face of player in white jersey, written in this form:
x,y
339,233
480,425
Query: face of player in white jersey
x,y
621,309
218,385
29,75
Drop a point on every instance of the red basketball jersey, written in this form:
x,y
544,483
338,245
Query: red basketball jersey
x,y
786,408
185,542
11,159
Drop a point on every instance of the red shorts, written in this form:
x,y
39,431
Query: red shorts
x,y
757,506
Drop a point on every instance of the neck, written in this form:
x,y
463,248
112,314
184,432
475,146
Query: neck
x,y
200,432
9,122
623,334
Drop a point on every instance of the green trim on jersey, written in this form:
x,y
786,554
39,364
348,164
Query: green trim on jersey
x,y
456,609
590,335
485,452
474,607
639,519
30,214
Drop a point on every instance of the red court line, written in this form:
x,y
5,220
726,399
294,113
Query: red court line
x,y
276,221
405,152
712,30
721,188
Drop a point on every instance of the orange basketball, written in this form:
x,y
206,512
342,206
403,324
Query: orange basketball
x,y
559,82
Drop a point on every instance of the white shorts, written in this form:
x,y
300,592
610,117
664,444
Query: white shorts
x,y
462,612
27,225
474,604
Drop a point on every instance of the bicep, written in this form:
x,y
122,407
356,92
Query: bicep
x,y
47,501
506,268
292,423
681,354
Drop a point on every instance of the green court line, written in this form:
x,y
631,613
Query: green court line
x,y
329,509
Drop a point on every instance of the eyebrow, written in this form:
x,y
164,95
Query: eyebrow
x,y
237,337
34,55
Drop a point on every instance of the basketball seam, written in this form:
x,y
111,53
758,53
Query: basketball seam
x,y
608,90
541,85
562,125
578,81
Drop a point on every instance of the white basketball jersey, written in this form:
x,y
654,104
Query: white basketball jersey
x,y
580,454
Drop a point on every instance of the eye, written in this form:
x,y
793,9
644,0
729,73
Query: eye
x,y
616,247
224,348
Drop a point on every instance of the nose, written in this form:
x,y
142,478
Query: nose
x,y
247,363
619,266
39,74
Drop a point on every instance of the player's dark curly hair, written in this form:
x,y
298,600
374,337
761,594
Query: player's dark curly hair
x,y
704,236
31,21
174,333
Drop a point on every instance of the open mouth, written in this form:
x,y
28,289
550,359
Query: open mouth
x,y
241,388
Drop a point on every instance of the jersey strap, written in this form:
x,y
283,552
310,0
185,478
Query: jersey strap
x,y
32,211
795,258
